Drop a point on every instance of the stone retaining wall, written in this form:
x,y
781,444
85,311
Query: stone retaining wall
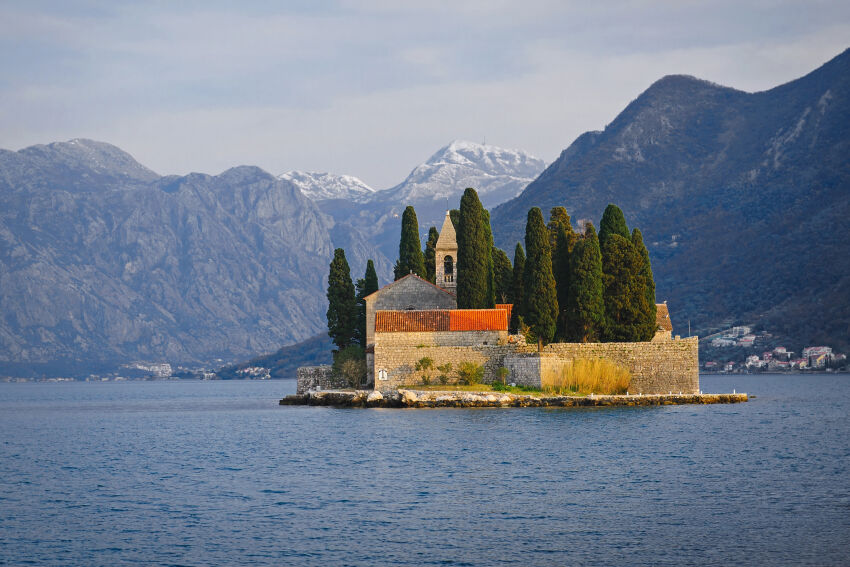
x,y
317,378
656,367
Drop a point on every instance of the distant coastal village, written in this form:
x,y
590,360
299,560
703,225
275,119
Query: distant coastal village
x,y
759,354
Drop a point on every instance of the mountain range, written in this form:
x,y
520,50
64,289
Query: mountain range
x,y
496,173
105,262
742,199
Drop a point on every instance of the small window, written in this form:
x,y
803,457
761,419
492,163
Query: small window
x,y
448,269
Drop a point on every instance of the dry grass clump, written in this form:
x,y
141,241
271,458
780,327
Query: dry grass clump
x,y
588,376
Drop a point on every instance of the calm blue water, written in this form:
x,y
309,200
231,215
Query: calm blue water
x,y
215,473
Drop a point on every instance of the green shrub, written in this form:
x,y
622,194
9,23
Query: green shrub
x,y
350,364
445,372
470,373
423,365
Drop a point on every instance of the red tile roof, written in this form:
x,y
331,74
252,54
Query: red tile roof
x,y
441,320
506,307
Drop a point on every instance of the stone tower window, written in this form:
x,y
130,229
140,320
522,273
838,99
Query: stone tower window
x,y
448,269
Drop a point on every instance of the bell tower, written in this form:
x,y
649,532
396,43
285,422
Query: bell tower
x,y
446,256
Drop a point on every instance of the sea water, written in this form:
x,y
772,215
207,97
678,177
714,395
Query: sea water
x,y
216,473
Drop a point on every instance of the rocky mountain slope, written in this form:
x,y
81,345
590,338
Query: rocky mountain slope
x,y
324,186
103,260
743,198
497,173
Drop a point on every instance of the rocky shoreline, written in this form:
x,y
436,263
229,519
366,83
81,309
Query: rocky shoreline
x,y
453,399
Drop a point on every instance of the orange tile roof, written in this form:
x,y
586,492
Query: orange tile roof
x,y
478,320
506,307
441,320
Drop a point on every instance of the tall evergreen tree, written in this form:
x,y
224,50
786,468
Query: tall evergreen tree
x,y
613,222
561,271
503,276
541,302
585,307
516,289
622,293
491,270
558,218
454,214
473,255
410,257
342,304
431,255
365,286
645,281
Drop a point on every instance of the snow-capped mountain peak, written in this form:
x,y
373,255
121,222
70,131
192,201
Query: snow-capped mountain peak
x,y
324,186
497,174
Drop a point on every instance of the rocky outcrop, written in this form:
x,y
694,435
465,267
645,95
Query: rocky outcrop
x,y
453,399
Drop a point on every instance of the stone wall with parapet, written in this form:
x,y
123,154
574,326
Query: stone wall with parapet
x,y
656,367
396,354
318,378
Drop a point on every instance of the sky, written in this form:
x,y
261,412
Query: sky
x,y
373,88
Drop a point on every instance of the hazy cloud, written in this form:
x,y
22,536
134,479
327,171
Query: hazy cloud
x,y
372,88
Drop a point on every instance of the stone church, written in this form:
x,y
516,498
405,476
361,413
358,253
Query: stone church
x,y
416,333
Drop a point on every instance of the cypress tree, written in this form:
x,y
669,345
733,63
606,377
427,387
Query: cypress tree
x,y
474,290
558,218
646,281
409,250
454,214
342,304
431,255
365,286
491,270
503,276
622,294
541,303
516,289
561,271
585,308
613,222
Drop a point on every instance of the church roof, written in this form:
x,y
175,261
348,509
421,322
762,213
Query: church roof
x,y
448,237
662,318
441,320
391,284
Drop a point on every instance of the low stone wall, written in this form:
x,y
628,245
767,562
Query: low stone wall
x,y
317,378
656,367
396,354
399,363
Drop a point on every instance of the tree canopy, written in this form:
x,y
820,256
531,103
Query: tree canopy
x,y
613,222
410,258
502,276
540,300
474,264
585,304
516,289
342,304
431,255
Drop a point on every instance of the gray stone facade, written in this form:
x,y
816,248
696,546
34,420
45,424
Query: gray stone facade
x,y
318,378
409,293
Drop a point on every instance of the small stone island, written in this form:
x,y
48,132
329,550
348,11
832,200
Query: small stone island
x,y
419,347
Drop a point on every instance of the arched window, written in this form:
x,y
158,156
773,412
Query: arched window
x,y
448,269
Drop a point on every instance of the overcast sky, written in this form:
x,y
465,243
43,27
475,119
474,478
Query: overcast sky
x,y
373,88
